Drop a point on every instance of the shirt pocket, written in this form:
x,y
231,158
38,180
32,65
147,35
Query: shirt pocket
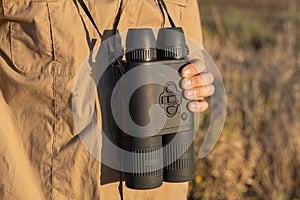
x,y
149,13
31,45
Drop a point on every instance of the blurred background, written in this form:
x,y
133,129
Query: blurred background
x,y
256,46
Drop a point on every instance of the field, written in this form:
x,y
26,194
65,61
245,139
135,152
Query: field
x,y
256,46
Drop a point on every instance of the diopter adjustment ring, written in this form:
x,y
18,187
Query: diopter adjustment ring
x,y
173,52
141,55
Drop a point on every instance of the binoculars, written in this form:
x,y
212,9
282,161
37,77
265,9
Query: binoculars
x,y
160,143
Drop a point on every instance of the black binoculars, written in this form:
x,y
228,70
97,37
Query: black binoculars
x,y
160,143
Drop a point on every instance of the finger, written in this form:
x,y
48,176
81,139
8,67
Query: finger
x,y
192,69
200,80
198,106
199,92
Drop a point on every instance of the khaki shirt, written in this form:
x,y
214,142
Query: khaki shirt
x,y
42,46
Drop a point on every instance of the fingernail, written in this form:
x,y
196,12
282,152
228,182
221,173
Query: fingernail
x,y
194,106
186,72
186,83
190,93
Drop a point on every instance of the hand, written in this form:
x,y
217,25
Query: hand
x,y
197,84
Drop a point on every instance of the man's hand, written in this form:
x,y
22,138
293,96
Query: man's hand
x,y
197,84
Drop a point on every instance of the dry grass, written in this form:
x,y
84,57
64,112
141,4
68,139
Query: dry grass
x,y
258,156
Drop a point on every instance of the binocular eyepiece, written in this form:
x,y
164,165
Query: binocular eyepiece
x,y
141,45
157,153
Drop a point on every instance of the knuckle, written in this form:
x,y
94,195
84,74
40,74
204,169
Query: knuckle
x,y
201,92
211,78
212,89
196,80
208,78
199,66
205,91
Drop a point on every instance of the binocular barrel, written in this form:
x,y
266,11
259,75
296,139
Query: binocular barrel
x,y
167,155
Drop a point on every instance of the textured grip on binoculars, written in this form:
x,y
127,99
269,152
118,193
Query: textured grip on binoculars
x,y
178,145
145,162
